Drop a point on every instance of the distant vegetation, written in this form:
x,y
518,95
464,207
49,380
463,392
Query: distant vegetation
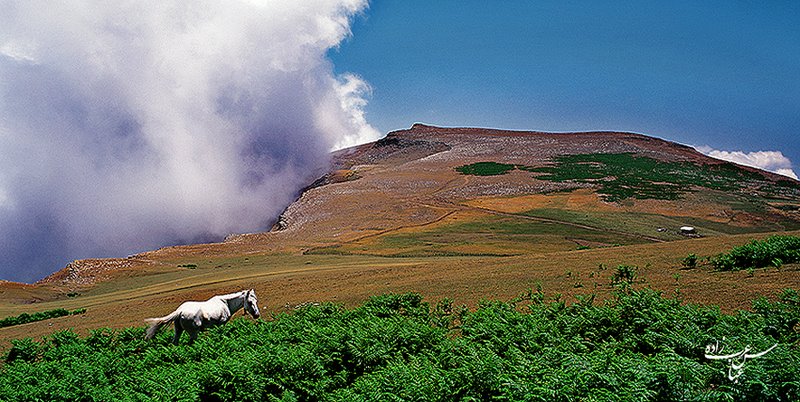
x,y
773,251
486,169
637,346
624,274
625,175
25,318
690,261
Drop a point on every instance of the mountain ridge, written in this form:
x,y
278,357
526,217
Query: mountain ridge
x,y
411,212
408,145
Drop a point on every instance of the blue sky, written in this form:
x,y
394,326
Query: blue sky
x,y
725,74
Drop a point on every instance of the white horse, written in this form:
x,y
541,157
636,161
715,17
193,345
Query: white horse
x,y
194,316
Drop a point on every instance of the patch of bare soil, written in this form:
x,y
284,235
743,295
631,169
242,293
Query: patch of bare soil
x,y
588,200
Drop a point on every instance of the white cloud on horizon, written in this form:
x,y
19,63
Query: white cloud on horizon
x,y
128,126
771,161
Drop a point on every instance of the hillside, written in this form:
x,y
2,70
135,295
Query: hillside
x,y
461,213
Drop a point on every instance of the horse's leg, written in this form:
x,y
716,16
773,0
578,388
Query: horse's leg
x,y
178,331
194,328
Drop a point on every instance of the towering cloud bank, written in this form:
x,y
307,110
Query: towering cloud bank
x,y
771,161
129,125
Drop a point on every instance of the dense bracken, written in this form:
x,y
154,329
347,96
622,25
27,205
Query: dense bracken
x,y
639,345
772,251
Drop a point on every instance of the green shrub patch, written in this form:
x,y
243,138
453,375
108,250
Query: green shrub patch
x,y
625,175
772,251
486,169
25,318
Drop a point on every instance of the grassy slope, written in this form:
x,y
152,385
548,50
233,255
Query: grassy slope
x,y
282,280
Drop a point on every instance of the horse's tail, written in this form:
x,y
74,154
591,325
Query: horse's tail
x,y
157,323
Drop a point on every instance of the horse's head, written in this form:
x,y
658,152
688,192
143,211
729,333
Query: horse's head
x,y
251,303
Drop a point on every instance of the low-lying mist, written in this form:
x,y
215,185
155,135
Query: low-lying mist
x,y
128,126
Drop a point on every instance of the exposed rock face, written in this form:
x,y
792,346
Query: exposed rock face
x,y
394,149
281,224
81,273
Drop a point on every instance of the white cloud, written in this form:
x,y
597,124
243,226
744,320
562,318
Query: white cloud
x,y
130,125
351,91
786,172
772,161
18,52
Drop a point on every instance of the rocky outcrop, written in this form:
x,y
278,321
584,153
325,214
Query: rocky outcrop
x,y
81,273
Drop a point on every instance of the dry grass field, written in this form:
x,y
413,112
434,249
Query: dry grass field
x,y
396,216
